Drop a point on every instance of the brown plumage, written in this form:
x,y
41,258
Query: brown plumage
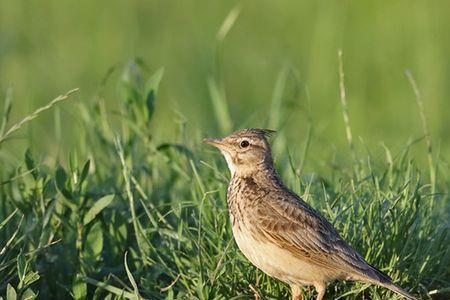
x,y
277,231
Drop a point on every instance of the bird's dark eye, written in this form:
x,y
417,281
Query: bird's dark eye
x,y
244,144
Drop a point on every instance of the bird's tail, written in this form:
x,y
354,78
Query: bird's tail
x,y
379,278
398,290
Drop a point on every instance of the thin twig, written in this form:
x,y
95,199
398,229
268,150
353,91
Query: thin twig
x,y
32,116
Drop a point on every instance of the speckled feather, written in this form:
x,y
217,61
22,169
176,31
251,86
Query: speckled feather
x,y
279,216
280,233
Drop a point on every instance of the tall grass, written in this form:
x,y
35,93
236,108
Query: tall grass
x,y
125,215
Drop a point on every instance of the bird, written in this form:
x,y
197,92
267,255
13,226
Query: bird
x,y
277,231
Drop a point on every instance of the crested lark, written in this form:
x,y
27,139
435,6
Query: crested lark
x,y
277,231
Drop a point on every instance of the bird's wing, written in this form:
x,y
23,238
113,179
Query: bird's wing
x,y
293,225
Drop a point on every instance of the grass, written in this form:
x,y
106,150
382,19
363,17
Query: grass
x,y
128,213
127,216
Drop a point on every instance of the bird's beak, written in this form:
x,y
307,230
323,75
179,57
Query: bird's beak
x,y
218,143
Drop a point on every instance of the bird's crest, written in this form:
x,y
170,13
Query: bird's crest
x,y
256,131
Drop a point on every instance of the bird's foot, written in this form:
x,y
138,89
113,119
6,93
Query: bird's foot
x,y
296,292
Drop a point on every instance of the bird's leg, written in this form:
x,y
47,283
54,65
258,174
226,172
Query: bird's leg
x,y
296,292
255,292
320,288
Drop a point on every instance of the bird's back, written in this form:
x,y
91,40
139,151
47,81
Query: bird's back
x,y
275,215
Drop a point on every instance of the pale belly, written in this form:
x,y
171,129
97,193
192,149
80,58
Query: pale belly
x,y
278,262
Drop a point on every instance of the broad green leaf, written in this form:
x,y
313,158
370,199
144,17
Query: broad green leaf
x,y
61,178
28,295
98,206
94,242
29,162
117,228
150,103
151,89
84,171
10,293
79,288
21,269
31,277
131,83
108,297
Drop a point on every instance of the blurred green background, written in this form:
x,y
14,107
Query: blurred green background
x,y
48,47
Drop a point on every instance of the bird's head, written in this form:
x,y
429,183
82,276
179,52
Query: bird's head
x,y
245,151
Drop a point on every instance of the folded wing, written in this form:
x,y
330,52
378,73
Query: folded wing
x,y
293,225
